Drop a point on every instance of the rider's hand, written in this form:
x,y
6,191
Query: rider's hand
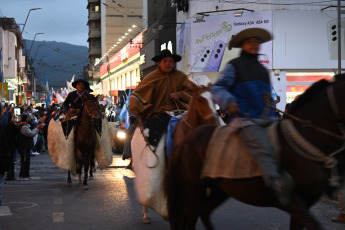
x,y
175,96
233,108
40,126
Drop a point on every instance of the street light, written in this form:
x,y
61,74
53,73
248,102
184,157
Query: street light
x,y
21,33
27,19
33,41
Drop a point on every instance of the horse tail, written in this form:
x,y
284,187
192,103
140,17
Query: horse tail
x,y
174,194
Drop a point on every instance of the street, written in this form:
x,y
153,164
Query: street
x,y
45,202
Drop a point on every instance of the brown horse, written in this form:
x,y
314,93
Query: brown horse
x,y
189,196
201,111
85,140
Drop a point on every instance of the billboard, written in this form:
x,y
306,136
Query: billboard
x,y
209,36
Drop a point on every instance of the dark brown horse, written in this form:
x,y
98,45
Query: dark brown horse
x,y
190,197
85,140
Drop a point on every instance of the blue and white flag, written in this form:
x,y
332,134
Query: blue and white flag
x,y
109,100
125,107
46,92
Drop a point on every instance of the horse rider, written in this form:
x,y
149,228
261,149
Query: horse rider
x,y
242,89
164,89
75,100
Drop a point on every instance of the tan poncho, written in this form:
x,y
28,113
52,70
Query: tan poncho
x,y
152,95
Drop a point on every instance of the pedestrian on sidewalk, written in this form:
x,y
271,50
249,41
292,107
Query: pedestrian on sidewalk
x,y
25,143
4,149
11,134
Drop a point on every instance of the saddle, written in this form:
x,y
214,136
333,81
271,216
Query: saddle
x,y
227,157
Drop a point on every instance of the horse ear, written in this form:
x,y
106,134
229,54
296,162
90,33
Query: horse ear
x,y
100,97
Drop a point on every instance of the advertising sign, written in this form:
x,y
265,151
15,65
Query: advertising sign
x,y
209,39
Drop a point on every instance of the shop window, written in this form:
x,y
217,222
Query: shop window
x,y
298,83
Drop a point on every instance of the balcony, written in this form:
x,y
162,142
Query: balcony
x,y
94,15
95,50
95,33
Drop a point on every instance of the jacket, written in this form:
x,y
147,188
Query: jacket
x,y
244,81
25,136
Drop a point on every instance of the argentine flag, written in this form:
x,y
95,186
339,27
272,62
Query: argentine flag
x,y
46,92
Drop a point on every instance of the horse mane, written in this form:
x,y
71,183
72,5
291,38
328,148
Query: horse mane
x,y
308,94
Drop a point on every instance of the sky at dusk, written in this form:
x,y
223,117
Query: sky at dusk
x,y
59,20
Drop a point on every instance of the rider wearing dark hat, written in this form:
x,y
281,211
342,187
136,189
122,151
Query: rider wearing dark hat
x,y
242,89
75,100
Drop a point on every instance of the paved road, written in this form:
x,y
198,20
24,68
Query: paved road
x,y
46,202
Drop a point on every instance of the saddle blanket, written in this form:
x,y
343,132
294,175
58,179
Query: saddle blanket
x,y
61,150
149,169
227,157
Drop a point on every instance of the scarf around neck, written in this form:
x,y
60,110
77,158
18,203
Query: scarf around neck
x,y
80,95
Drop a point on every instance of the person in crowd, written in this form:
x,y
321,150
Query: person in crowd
x,y
242,89
4,149
11,132
25,144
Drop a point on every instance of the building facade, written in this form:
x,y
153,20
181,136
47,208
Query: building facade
x,y
94,37
12,61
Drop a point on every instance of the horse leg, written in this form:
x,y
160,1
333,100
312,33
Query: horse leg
x,y
92,166
79,164
69,180
295,224
301,217
214,197
86,170
146,216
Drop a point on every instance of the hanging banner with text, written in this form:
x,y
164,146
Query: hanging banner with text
x,y
210,36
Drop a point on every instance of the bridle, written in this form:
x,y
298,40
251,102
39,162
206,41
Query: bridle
x,y
205,117
306,149
88,111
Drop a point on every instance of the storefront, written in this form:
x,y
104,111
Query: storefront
x,y
122,71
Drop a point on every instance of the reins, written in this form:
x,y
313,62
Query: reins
x,y
302,146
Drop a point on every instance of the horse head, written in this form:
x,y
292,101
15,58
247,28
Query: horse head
x,y
203,104
92,108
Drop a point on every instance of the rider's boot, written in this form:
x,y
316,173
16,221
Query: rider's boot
x,y
283,186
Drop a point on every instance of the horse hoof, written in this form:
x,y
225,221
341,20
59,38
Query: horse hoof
x,y
85,187
147,220
91,178
69,184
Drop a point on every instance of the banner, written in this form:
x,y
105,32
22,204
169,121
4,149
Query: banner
x,y
97,89
4,90
209,47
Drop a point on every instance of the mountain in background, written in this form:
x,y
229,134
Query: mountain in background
x,y
58,61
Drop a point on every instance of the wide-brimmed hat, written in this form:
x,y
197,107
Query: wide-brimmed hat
x,y
261,34
166,53
75,83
